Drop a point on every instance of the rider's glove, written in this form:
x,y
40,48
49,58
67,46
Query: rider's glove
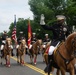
x,y
42,20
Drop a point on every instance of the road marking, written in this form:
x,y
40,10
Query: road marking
x,y
32,67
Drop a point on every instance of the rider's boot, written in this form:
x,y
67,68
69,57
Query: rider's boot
x,y
1,53
48,68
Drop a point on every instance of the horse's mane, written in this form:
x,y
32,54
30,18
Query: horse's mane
x,y
71,36
69,39
8,39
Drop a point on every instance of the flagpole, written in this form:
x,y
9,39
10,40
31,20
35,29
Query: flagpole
x,y
14,32
29,33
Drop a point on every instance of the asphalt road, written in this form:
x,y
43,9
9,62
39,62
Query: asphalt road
x,y
27,69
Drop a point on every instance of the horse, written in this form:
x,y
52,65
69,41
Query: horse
x,y
45,54
21,51
65,56
44,50
34,50
7,51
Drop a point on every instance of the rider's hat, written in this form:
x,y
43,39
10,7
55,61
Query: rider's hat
x,y
60,17
34,33
46,34
21,32
5,32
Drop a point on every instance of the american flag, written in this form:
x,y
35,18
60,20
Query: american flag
x,y
14,30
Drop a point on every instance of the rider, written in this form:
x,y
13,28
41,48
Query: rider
x,y
60,32
46,40
3,39
20,37
33,38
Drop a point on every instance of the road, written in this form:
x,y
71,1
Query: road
x,y
27,69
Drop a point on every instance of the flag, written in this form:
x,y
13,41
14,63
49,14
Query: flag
x,y
29,34
14,30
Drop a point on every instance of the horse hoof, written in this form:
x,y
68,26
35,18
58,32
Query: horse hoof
x,y
22,64
1,63
9,66
17,61
35,63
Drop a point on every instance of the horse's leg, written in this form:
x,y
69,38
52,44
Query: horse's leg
x,y
62,71
22,59
58,72
17,54
8,60
1,60
17,58
35,57
46,59
31,56
42,51
72,72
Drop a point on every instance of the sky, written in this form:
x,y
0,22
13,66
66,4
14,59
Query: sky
x,y
9,8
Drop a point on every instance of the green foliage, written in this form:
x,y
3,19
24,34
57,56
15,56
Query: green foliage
x,y
21,25
50,8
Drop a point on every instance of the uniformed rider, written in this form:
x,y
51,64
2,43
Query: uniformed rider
x,y
33,40
46,40
3,39
20,37
60,32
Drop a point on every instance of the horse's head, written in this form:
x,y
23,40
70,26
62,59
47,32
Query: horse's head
x,y
39,42
71,44
23,42
8,42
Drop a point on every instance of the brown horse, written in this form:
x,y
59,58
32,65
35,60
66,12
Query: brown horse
x,y
34,50
65,55
21,51
45,54
44,50
7,51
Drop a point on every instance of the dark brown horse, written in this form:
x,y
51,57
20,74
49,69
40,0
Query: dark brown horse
x,y
21,51
65,55
34,50
7,51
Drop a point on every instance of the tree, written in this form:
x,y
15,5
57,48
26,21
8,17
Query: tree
x,y
51,8
21,25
